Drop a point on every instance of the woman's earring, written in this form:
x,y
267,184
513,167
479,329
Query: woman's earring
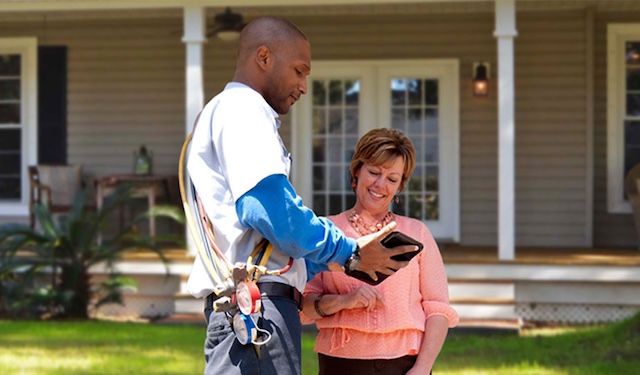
x,y
396,199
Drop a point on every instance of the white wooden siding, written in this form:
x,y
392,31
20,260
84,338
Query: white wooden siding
x,y
551,180
126,88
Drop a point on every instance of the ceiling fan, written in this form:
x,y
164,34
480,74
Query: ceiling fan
x,y
227,25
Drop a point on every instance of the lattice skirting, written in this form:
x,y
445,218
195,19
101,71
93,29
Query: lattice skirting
x,y
574,313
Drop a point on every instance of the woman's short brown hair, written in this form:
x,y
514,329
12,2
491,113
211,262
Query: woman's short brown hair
x,y
380,146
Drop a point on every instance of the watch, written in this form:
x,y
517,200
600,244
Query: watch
x,y
354,260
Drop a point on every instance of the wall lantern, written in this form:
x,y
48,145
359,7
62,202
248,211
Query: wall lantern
x,y
481,78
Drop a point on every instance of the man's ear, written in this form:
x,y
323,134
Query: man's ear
x,y
263,57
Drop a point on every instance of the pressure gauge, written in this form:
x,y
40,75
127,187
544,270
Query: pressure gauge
x,y
245,329
248,297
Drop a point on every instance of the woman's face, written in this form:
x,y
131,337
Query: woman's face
x,y
377,185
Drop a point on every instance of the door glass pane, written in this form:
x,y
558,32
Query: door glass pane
x,y
633,79
633,104
352,92
414,111
319,92
414,91
632,53
11,128
336,122
398,91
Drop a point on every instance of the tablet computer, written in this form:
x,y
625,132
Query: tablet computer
x,y
393,239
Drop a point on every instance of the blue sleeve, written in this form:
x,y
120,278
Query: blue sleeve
x,y
274,209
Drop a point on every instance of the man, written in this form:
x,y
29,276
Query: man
x,y
239,167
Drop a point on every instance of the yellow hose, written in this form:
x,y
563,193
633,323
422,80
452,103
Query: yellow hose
x,y
189,216
222,264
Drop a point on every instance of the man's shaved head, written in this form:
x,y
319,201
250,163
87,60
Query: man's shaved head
x,y
274,58
271,32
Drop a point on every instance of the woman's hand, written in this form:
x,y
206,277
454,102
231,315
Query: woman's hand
x,y
365,296
315,305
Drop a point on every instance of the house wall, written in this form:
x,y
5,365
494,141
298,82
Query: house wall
x,y
551,129
126,88
608,229
550,110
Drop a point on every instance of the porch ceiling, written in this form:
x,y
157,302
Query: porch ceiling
x,y
251,8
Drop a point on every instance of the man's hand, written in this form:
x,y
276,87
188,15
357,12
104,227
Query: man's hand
x,y
376,258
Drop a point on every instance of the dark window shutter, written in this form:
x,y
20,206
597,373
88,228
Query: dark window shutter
x,y
52,105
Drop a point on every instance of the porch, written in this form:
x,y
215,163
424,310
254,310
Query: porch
x,y
565,285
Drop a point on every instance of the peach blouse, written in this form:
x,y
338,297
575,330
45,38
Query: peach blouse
x,y
411,295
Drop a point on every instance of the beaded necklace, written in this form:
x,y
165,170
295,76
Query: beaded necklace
x,y
363,228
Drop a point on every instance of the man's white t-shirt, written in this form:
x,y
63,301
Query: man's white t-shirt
x,y
236,145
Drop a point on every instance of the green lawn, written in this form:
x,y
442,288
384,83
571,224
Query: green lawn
x,y
99,347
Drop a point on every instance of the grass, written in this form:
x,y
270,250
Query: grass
x,y
602,350
99,347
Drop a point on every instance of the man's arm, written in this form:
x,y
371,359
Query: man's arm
x,y
273,208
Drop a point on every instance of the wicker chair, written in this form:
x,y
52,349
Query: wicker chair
x,y
54,185
632,190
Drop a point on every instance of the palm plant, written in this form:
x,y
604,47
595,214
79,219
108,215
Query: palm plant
x,y
65,250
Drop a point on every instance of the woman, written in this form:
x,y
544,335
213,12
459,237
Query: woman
x,y
399,325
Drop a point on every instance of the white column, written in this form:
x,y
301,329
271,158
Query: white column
x,y
194,38
505,33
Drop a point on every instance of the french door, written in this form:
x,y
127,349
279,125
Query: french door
x,y
347,99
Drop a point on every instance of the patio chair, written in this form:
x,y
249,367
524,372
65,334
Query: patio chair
x,y
54,185
632,190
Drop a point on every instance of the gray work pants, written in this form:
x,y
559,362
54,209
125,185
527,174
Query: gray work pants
x,y
224,355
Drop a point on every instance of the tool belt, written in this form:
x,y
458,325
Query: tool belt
x,y
269,289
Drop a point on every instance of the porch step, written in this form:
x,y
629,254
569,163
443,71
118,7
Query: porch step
x,y
185,303
474,289
480,299
485,309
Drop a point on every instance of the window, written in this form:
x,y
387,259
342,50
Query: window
x,y
623,110
346,99
17,121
